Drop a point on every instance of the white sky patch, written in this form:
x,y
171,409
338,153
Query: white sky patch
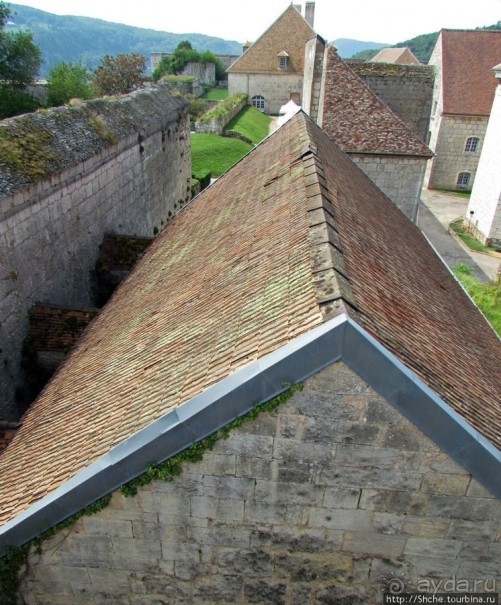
x,y
389,21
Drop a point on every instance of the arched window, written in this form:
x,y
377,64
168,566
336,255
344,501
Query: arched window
x,y
463,179
471,144
258,102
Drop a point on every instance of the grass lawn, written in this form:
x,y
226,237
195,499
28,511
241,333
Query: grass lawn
x,y
216,93
252,123
486,296
470,241
215,154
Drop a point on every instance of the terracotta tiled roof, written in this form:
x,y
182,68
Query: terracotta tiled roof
x,y
395,55
357,120
467,77
254,261
288,33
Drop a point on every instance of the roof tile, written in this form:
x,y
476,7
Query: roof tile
x,y
230,279
467,61
357,120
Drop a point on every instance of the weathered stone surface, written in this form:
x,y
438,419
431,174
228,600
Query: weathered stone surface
x,y
295,522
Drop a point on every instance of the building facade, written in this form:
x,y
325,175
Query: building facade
x,y
462,101
484,209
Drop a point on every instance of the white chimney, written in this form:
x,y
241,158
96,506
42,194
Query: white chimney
x,y
298,8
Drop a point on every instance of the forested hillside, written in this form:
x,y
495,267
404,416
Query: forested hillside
x,y
67,38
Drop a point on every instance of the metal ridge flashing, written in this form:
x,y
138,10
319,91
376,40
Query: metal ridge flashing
x,y
401,387
176,430
340,338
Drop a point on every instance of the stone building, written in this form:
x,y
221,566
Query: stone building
x,y
271,70
400,56
462,101
290,62
383,473
371,134
484,209
406,89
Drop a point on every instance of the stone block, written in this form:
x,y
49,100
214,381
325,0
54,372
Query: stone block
x,y
236,537
98,526
107,579
341,519
373,543
474,530
388,523
366,456
86,552
262,591
247,563
481,509
313,567
218,589
264,512
283,493
228,487
447,484
339,497
204,506
394,501
339,595
425,527
432,547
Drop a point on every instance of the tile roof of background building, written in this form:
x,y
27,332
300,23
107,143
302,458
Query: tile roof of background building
x,y
289,33
467,61
257,259
357,120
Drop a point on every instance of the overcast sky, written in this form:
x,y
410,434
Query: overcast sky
x,y
387,21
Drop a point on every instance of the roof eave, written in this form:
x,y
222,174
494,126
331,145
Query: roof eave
x,y
337,339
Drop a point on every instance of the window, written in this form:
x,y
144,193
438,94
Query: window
x,y
283,55
463,179
258,102
471,144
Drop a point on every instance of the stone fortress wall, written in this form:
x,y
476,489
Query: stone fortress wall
x,y
68,176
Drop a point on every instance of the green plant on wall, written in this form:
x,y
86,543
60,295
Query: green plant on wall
x,y
16,558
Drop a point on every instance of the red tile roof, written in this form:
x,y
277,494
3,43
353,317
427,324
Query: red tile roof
x,y
467,77
288,33
357,120
251,263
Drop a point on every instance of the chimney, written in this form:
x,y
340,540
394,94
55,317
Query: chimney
x,y
246,45
309,13
298,8
497,73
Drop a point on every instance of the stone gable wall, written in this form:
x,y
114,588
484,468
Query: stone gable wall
x,y
121,165
329,499
399,177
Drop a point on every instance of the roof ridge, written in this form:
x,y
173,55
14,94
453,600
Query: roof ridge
x,y
330,280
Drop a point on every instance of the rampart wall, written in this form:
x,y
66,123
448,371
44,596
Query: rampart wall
x,y
67,176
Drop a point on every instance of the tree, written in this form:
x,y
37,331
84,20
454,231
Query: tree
x,y
20,61
67,81
120,74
